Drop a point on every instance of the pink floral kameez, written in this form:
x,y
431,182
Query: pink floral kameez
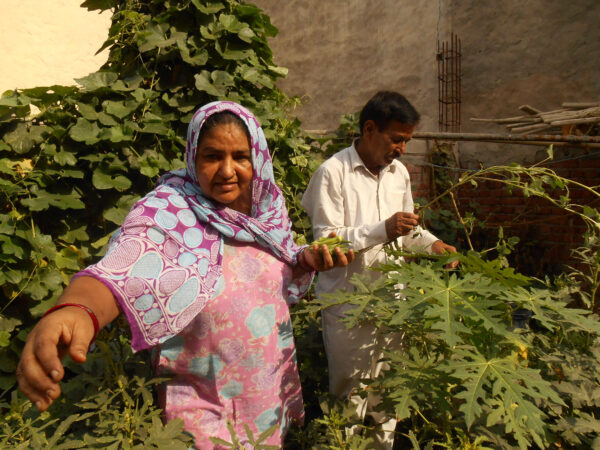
x,y
236,361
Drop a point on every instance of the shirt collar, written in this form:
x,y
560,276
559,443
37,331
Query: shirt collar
x,y
356,161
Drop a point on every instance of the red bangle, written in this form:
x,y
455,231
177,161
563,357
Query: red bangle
x,y
85,308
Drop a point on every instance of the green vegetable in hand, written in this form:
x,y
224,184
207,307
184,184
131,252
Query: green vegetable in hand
x,y
332,243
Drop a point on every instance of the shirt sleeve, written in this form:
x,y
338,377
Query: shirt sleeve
x,y
324,203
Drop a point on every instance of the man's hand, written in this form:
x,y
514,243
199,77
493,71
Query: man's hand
x,y
440,247
400,224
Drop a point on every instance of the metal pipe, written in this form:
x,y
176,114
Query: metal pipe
x,y
532,139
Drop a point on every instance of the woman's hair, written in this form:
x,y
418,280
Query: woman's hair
x,y
223,118
387,106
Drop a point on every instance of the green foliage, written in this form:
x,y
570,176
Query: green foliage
x,y
332,243
255,442
108,402
73,159
465,367
466,376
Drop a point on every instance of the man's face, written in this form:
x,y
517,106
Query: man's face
x,y
383,146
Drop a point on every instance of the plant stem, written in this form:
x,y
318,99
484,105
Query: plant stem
x,y
462,222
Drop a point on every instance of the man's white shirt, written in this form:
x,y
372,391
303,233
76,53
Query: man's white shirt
x,y
345,197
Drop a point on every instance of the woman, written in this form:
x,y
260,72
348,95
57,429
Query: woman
x,y
203,268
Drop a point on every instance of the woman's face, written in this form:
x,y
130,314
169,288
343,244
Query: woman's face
x,y
224,166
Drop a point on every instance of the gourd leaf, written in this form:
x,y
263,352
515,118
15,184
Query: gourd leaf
x,y
23,136
97,80
102,179
118,213
85,131
119,109
231,24
208,7
203,83
44,199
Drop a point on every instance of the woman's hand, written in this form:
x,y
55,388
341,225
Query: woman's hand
x,y
67,330
318,257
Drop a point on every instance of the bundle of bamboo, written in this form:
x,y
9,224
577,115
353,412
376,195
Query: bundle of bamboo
x,y
572,118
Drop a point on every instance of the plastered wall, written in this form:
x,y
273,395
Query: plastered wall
x,y
46,42
537,52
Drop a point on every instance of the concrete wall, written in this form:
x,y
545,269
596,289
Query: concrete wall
x,y
340,52
46,42
537,52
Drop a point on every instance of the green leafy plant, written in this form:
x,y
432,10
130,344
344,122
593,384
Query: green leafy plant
x,y
466,376
109,402
238,442
73,159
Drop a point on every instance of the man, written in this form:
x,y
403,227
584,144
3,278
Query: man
x,y
363,194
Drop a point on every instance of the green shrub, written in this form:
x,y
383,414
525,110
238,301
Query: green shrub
x,y
73,159
466,376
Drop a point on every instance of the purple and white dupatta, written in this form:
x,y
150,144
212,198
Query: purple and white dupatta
x,y
164,264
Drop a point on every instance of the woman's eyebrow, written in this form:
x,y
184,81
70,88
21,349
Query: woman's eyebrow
x,y
220,150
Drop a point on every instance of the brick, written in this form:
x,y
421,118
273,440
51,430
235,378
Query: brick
x,y
512,201
590,163
569,164
590,174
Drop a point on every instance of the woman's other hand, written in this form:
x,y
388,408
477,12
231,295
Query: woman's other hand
x,y
68,330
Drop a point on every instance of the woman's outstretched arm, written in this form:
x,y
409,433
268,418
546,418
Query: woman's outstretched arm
x,y
68,330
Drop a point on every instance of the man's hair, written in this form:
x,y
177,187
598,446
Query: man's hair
x,y
387,106
222,118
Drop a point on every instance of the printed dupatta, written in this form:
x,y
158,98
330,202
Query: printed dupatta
x,y
164,264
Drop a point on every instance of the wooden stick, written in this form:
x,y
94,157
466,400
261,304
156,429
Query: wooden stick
x,y
576,121
528,128
567,114
579,105
502,120
525,122
529,109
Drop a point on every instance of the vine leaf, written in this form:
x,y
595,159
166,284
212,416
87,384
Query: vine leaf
x,y
85,131
104,180
97,80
